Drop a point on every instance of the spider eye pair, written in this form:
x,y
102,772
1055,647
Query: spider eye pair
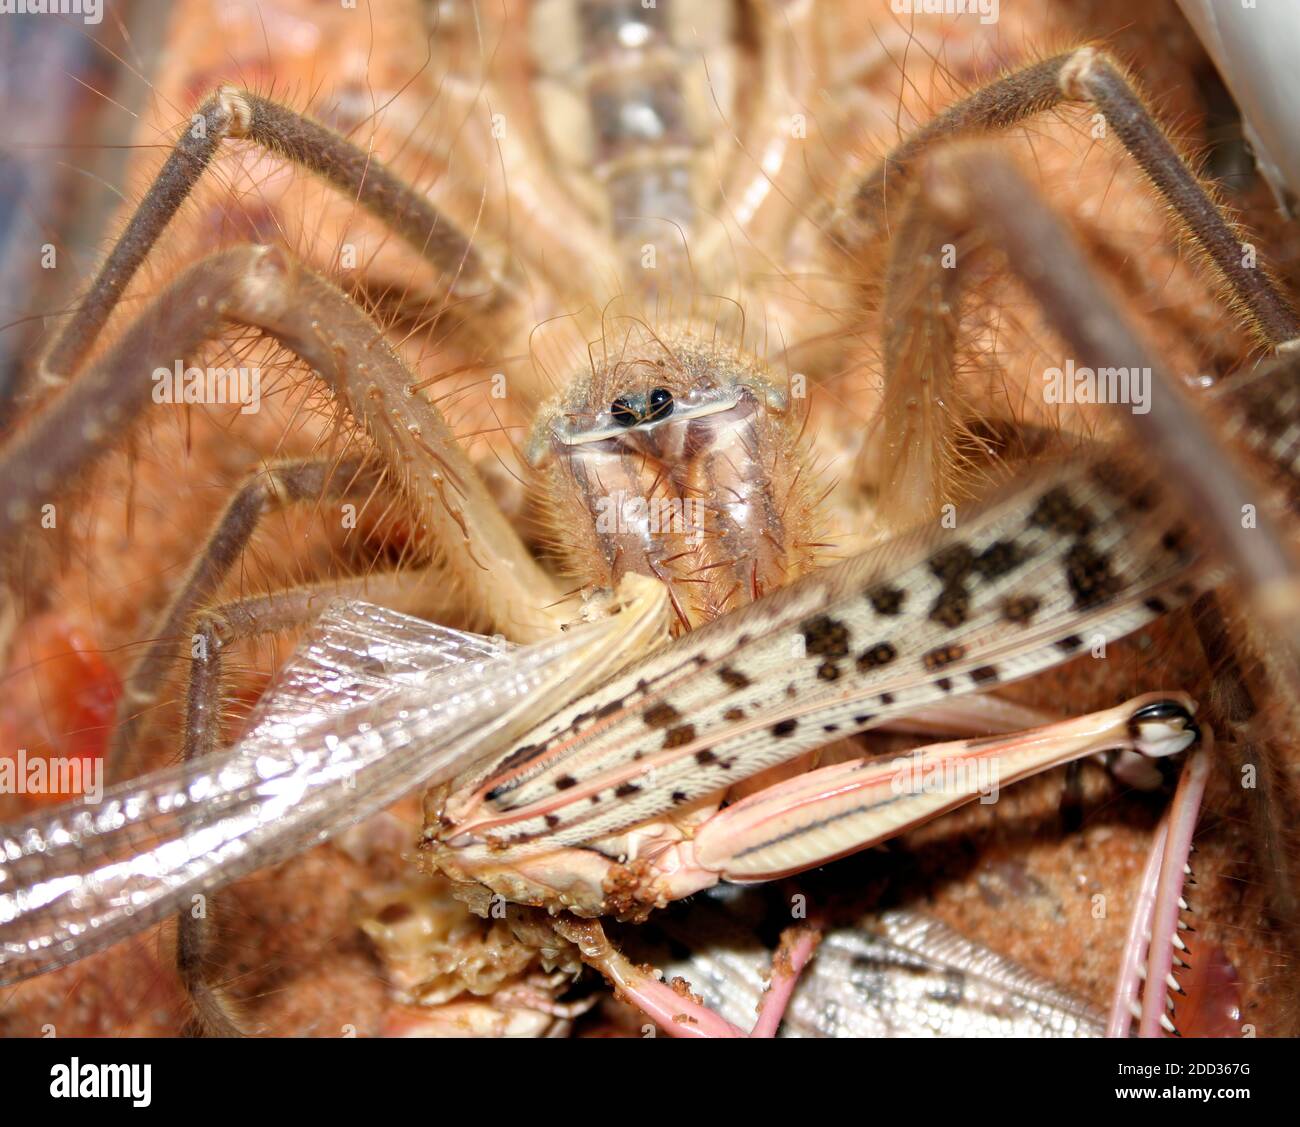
x,y
628,411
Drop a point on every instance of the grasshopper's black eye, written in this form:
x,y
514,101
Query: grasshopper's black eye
x,y
623,412
661,404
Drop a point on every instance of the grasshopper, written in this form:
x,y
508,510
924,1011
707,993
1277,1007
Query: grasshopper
x,y
612,804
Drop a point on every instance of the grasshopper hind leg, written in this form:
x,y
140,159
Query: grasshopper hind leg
x,y
1154,945
671,1005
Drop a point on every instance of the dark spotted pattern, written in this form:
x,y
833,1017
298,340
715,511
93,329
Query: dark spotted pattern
x,y
1000,558
1089,575
1089,572
882,653
951,606
957,565
679,736
734,678
953,564
942,656
1057,512
887,600
660,715
1020,609
608,709
518,758
825,637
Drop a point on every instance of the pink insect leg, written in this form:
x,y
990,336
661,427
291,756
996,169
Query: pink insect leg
x,y
1153,930
671,1006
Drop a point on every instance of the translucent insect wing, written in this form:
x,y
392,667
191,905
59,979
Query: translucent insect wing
x,y
896,973
911,976
374,705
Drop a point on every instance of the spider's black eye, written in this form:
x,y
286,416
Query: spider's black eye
x,y
661,404
623,413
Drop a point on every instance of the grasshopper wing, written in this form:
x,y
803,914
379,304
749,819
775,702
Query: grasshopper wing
x,y
374,705
894,973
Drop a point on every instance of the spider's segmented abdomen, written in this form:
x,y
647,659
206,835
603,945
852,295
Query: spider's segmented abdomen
x,y
629,95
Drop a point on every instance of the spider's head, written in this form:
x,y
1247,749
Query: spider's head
x,y
676,460
656,398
